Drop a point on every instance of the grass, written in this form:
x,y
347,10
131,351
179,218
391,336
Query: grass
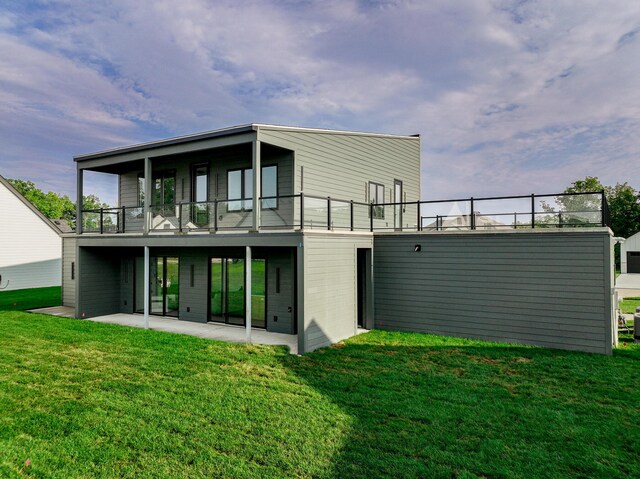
x,y
83,400
21,299
629,305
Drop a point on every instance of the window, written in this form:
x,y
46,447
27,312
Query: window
x,y
376,196
240,188
269,187
200,195
164,189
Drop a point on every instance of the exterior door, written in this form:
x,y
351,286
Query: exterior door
x,y
397,208
164,285
200,195
633,261
227,303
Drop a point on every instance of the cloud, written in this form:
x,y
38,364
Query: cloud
x,y
509,96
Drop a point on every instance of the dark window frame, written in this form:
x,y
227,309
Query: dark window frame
x,y
378,211
243,193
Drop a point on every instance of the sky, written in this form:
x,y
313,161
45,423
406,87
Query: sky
x,y
509,97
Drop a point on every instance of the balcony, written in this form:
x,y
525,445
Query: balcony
x,y
307,212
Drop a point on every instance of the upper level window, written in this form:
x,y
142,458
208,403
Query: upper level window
x,y
269,186
376,196
200,187
164,188
240,188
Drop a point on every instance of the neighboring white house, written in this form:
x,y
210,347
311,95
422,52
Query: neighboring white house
x,y
630,255
30,244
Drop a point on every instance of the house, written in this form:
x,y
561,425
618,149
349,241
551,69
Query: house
x,y
30,243
291,206
630,255
317,233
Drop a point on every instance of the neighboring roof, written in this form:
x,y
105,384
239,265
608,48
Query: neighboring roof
x,y
63,226
234,130
30,205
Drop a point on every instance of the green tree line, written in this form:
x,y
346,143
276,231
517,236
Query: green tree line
x,y
53,205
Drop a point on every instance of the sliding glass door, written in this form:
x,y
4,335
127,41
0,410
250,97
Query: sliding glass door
x,y
228,292
163,286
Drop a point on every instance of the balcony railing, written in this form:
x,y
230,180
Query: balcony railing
x,y
302,212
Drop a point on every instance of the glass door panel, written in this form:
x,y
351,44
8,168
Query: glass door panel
x,y
157,289
200,195
258,297
171,286
217,291
235,291
228,292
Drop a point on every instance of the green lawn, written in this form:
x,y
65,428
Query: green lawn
x,y
22,299
82,400
629,305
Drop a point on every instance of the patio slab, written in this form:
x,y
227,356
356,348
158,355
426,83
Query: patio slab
x,y
63,311
220,332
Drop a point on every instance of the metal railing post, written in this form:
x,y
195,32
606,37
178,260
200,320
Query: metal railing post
x,y
301,211
473,215
101,220
419,223
329,212
180,217
533,210
371,217
124,214
215,215
351,215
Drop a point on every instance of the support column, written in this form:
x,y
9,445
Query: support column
x,y
147,280
257,183
299,292
247,290
79,196
148,194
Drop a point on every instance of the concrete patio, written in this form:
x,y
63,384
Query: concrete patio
x,y
219,332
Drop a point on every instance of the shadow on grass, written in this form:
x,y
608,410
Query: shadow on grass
x,y
84,399
457,408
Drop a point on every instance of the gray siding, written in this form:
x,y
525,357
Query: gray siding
x,y
68,284
97,282
280,305
341,165
127,283
330,296
549,288
194,296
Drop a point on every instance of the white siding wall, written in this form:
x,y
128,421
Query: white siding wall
x,y
631,244
30,252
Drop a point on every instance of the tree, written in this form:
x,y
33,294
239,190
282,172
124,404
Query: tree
x,y
624,209
53,205
624,206
580,209
50,204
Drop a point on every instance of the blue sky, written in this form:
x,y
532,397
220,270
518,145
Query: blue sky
x,y
510,97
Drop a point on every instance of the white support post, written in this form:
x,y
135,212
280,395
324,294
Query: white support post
x,y
148,194
247,289
147,279
257,193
